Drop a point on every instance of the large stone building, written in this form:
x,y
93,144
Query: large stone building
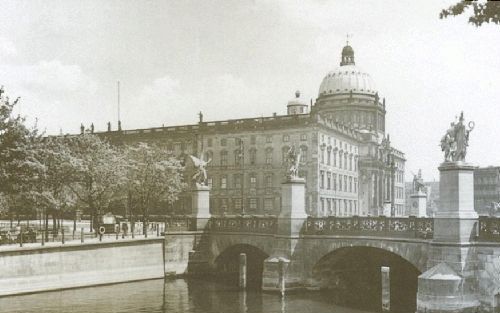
x,y
347,159
487,190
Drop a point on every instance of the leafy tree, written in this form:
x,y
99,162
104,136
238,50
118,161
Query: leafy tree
x,y
15,142
153,177
482,12
99,171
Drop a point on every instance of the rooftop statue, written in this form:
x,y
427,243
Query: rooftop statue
x,y
292,161
456,140
200,177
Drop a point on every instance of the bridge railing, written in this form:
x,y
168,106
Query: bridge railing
x,y
180,223
404,227
488,229
244,224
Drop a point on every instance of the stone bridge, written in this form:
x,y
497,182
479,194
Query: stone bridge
x,y
450,263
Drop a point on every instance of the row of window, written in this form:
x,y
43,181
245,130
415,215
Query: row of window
x,y
345,145
236,181
234,205
338,207
253,140
343,183
344,160
239,156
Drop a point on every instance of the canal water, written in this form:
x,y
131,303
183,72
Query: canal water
x,y
172,296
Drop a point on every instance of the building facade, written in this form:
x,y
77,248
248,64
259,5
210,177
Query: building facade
x,y
487,190
347,158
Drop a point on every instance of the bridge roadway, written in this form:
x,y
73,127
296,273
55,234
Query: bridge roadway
x,y
329,253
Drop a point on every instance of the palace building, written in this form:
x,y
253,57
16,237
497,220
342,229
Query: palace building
x,y
347,158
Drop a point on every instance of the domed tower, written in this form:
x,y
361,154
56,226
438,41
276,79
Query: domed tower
x,y
348,94
296,105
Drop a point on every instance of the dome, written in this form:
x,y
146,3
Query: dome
x,y
348,77
345,79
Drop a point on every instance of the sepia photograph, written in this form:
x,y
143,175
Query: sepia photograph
x,y
249,156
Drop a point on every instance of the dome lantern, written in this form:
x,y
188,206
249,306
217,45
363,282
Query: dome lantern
x,y
347,56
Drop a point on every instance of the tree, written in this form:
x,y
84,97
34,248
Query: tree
x,y
99,171
153,177
15,142
482,12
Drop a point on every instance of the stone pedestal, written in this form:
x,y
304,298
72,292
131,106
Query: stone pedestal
x,y
418,203
291,220
200,205
449,284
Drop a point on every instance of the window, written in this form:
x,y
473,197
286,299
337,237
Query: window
x,y
253,181
335,182
237,204
334,158
322,205
269,181
209,142
345,182
284,154
238,158
286,138
355,185
303,137
223,205
303,154
223,182
183,146
345,161
269,139
322,156
268,204
223,142
237,181
350,184
252,204
355,163
329,206
209,181
328,181
340,182
253,156
334,206
269,156
209,156
322,180
329,156
350,162
223,158
252,140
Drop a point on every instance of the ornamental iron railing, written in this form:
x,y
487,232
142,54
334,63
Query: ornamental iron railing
x,y
489,229
401,227
180,223
244,224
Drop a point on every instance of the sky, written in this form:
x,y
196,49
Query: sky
x,y
233,59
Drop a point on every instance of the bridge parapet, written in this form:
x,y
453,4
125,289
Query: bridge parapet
x,y
489,229
382,226
244,224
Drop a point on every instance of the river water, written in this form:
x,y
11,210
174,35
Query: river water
x,y
172,296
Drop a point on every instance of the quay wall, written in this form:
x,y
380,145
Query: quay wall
x,y
36,269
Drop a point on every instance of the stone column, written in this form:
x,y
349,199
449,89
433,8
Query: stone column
x,y
290,222
449,284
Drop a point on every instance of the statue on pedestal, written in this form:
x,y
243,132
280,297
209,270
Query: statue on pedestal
x,y
418,182
292,161
200,177
456,140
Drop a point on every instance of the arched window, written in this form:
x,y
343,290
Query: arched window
x,y
223,158
284,153
303,154
269,156
329,156
253,156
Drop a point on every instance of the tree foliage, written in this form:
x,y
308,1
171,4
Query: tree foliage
x,y
482,12
154,176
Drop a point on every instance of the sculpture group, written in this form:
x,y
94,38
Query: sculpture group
x,y
292,161
199,178
456,140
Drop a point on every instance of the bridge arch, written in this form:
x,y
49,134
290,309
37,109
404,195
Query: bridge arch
x,y
352,275
226,265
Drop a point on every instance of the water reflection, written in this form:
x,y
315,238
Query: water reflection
x,y
172,296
